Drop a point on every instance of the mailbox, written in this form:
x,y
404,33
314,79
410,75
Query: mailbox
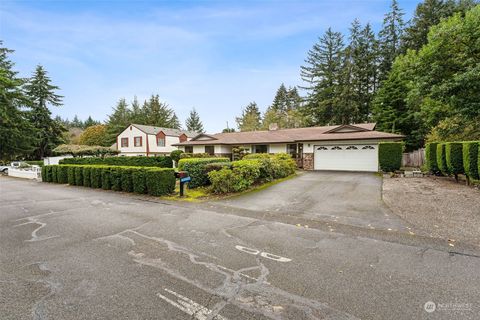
x,y
184,178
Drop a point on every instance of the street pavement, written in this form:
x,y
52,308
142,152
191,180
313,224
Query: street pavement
x,y
78,253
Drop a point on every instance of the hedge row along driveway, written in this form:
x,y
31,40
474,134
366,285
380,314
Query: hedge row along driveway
x,y
162,162
144,180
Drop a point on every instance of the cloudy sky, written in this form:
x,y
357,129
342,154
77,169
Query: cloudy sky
x,y
214,56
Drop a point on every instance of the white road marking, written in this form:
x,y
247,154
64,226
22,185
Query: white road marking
x,y
242,274
189,306
262,254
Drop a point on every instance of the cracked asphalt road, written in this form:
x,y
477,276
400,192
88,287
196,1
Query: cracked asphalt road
x,y
78,253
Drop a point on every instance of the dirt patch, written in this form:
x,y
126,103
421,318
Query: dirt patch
x,y
438,206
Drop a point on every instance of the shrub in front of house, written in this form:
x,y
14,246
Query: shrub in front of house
x,y
96,176
126,179
87,171
71,175
54,174
390,156
248,172
44,174
196,168
189,155
442,159
48,174
161,162
431,157
116,178
138,181
224,181
105,174
454,157
79,176
215,166
470,152
160,181
62,174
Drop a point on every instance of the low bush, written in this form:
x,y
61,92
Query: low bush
x,y
248,172
431,157
126,179
116,178
96,176
138,181
54,174
162,162
62,175
390,156
71,175
215,166
79,176
87,179
442,159
105,174
196,167
470,159
189,155
224,181
454,157
160,181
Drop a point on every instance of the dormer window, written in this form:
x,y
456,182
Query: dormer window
x,y
160,142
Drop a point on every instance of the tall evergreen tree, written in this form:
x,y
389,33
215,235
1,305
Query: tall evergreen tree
x,y
322,74
41,94
76,122
16,136
90,122
193,122
118,120
159,114
250,120
137,115
390,38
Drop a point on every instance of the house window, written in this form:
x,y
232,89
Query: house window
x,y
137,141
352,148
322,148
292,150
124,143
160,142
260,148
210,150
188,149
336,148
368,148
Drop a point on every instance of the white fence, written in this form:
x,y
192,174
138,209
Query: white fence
x,y
31,173
54,160
414,159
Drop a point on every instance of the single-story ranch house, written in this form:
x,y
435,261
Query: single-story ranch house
x,y
341,147
141,140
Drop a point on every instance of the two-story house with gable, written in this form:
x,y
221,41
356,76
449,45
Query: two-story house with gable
x,y
142,140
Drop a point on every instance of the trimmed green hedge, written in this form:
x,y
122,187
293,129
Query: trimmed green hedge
x,y
147,180
188,155
196,168
159,181
44,174
470,159
431,157
454,157
390,156
442,158
162,162
54,174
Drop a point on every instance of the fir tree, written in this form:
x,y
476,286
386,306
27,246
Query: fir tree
x,y
118,120
250,120
389,38
15,130
90,122
193,122
322,74
41,94
159,114
76,122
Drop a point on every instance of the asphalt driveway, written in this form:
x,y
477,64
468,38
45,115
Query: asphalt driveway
x,y
343,197
78,253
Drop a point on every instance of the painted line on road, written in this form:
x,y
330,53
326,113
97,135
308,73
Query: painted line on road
x,y
262,254
242,274
189,306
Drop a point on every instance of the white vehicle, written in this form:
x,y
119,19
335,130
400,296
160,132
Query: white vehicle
x,y
15,164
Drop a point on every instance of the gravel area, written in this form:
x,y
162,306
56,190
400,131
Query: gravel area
x,y
438,206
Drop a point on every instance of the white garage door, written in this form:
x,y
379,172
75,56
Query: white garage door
x,y
346,157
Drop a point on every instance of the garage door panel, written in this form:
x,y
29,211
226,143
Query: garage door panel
x,y
346,158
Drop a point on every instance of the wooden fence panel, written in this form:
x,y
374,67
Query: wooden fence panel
x,y
414,159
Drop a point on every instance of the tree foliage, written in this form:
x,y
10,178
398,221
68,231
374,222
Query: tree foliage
x,y
250,120
95,136
193,122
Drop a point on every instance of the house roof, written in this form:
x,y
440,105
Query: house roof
x,y
339,132
167,131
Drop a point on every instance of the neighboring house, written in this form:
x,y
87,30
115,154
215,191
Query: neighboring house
x,y
342,147
142,140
